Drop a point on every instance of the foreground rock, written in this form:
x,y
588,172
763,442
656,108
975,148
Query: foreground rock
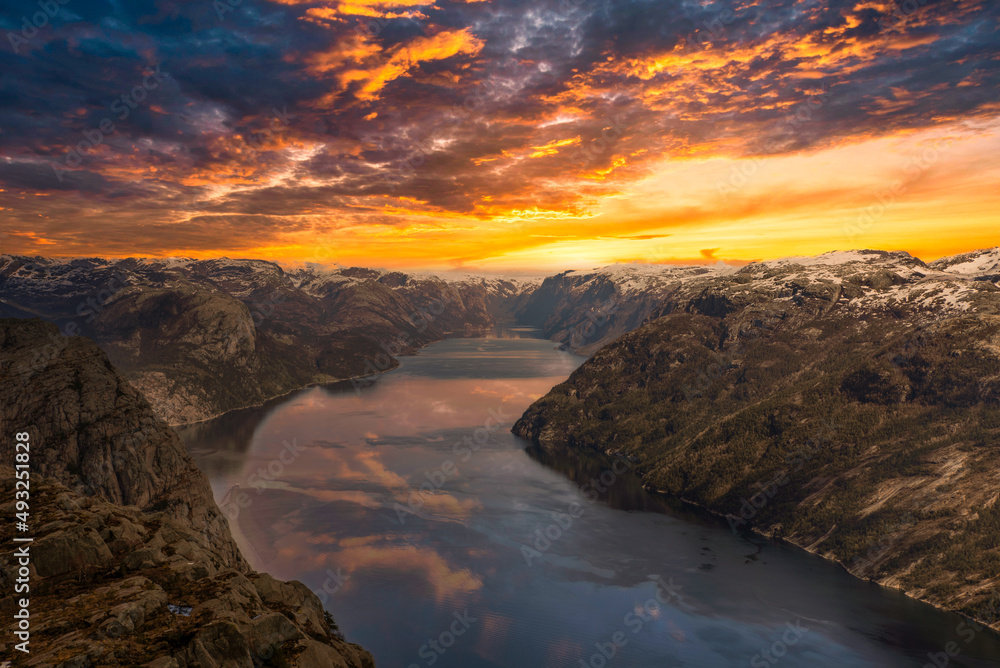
x,y
848,403
125,526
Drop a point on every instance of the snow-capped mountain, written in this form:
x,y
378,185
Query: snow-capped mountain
x,y
585,310
983,263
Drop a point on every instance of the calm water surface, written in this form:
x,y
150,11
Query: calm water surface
x,y
504,558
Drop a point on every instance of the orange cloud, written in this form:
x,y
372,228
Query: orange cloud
x,y
354,48
552,147
409,55
373,8
567,161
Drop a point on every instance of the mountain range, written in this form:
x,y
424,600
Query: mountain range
x,y
200,338
848,403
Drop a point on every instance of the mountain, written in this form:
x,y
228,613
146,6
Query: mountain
x,y
983,265
125,525
848,403
584,310
199,338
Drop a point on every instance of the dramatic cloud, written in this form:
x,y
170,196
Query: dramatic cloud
x,y
495,132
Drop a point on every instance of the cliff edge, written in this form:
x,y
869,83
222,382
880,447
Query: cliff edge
x,y
132,562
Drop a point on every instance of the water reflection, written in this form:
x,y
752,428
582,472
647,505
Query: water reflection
x,y
585,469
413,497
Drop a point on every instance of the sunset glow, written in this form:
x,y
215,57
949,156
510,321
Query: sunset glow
x,y
494,136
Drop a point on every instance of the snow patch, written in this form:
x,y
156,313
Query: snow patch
x,y
980,262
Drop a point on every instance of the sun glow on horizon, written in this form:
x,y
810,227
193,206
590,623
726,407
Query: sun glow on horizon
x,y
929,193
485,139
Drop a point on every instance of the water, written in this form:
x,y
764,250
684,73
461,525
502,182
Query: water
x,y
329,493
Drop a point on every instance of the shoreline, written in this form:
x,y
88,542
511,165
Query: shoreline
x,y
994,627
261,404
707,513
396,364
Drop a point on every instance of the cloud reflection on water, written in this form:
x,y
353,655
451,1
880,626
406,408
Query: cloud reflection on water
x,y
332,508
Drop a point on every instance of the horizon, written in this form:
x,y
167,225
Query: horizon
x,y
289,265
480,136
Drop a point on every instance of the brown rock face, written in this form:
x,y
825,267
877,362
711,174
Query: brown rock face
x,y
850,405
95,433
199,338
125,524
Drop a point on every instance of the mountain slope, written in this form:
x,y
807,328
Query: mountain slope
x,y
199,338
983,264
584,310
125,524
849,403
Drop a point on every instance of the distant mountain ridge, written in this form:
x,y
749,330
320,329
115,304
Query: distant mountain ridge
x,y
585,310
201,337
983,264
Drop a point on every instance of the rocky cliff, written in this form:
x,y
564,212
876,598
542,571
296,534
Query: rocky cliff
x,y
199,338
585,310
125,527
848,403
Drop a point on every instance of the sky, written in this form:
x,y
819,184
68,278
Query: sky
x,y
498,135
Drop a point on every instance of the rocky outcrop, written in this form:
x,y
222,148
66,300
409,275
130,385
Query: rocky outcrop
x,y
127,536
848,403
96,432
